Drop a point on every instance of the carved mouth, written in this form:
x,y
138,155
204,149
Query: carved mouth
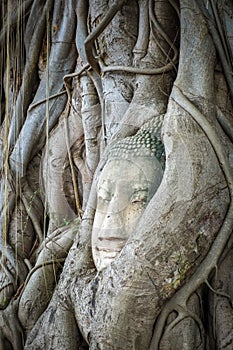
x,y
108,250
110,245
107,253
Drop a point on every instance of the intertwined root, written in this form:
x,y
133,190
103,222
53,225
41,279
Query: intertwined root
x,y
12,273
178,302
11,330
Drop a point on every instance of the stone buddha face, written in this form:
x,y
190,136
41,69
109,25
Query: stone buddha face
x,y
124,188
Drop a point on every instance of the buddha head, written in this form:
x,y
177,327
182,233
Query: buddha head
x,y
128,181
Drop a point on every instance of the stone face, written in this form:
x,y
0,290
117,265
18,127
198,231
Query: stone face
x,y
126,184
124,189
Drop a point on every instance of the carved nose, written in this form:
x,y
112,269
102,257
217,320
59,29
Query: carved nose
x,y
113,220
117,204
112,228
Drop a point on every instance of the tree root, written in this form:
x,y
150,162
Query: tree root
x,y
23,10
154,21
11,274
175,6
67,90
81,36
136,70
66,113
25,94
210,261
8,255
32,214
101,68
219,293
225,124
36,104
37,122
141,46
42,265
185,313
220,43
11,330
97,31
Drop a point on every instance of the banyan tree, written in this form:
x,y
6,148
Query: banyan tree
x,y
116,181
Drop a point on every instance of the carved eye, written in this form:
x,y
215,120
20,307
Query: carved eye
x,y
139,196
104,195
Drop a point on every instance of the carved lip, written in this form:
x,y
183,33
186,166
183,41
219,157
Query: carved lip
x,y
107,253
107,250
